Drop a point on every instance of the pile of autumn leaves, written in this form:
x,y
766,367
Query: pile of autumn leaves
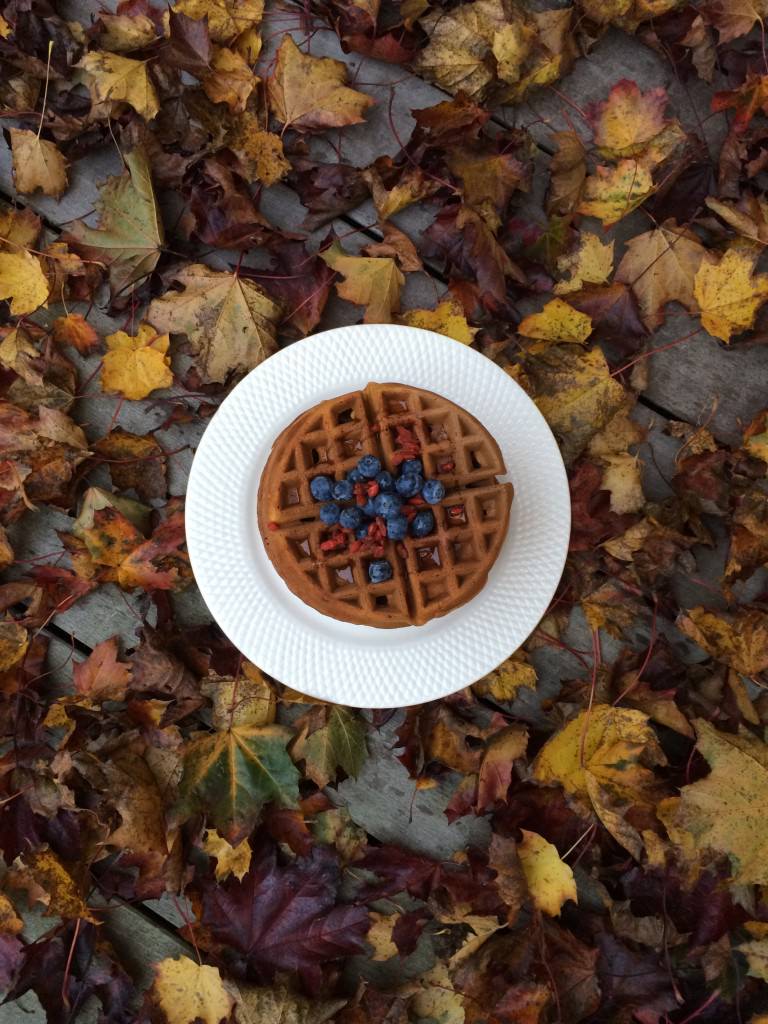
x,y
176,766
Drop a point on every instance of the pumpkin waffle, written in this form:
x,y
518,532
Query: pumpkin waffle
x,y
430,575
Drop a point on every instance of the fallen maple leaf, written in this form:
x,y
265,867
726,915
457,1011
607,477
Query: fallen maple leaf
x,y
226,18
187,992
230,860
628,120
309,93
590,263
337,742
721,813
136,366
285,918
45,880
576,393
729,294
37,164
740,641
447,318
73,329
373,282
115,79
550,880
613,192
23,282
603,759
495,771
557,322
102,675
19,228
660,267
488,180
734,18
130,230
230,775
468,44
504,682
162,561
229,320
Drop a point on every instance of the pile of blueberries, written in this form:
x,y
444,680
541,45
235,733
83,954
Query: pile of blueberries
x,y
392,495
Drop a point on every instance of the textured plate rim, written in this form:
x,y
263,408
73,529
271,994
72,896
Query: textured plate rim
x,y
359,665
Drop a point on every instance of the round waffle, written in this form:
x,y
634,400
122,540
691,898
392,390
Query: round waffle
x,y
431,575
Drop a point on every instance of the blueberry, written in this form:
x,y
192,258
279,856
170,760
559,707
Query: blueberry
x,y
433,491
379,571
355,476
362,532
412,466
329,514
409,485
397,527
423,523
385,481
369,509
387,505
369,466
321,487
343,490
351,518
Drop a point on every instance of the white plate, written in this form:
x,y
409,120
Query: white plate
x,y
360,665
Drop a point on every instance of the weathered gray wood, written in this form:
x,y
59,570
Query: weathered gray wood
x,y
384,801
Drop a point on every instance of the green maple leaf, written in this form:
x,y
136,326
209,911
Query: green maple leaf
x,y
130,231
230,775
340,743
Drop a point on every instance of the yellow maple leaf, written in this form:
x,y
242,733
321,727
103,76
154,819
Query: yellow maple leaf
x,y
121,33
23,282
576,394
590,263
230,860
728,294
510,676
613,192
446,318
550,880
136,366
310,93
226,18
723,812
187,992
371,281
628,120
37,164
112,78
601,760
740,641
230,79
556,322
